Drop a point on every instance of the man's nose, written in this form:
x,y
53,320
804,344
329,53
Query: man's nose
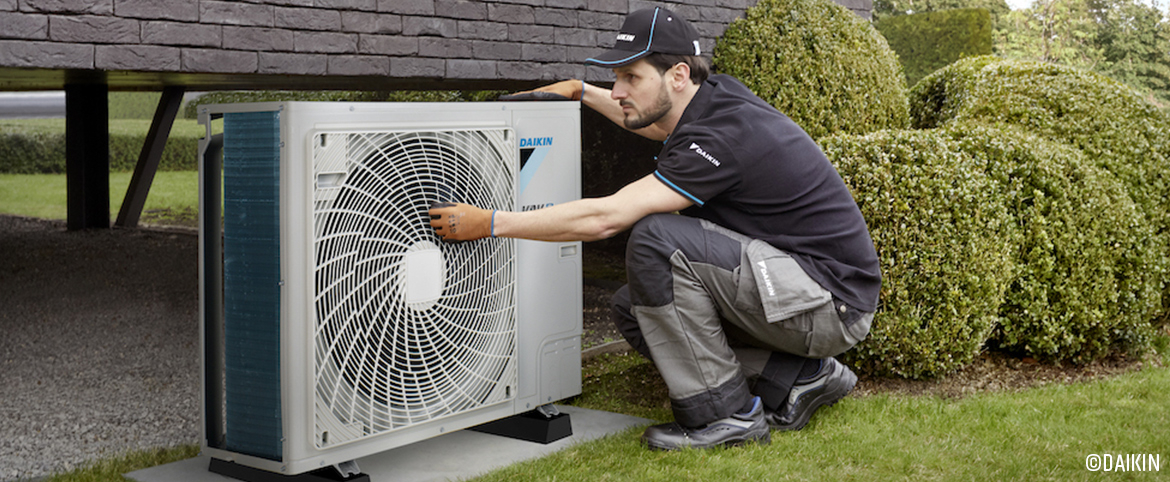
x,y
618,92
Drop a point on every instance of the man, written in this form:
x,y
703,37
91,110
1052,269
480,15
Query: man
x,y
743,299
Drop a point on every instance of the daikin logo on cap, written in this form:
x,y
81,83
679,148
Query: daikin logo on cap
x,y
647,31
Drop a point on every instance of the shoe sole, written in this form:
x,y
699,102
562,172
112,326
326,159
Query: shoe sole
x,y
826,399
764,439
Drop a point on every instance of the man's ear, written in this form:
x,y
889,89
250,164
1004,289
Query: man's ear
x,y
680,76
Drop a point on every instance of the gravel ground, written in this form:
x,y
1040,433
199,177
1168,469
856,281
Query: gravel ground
x,y
99,352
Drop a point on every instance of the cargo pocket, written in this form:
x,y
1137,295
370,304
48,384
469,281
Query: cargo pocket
x,y
785,290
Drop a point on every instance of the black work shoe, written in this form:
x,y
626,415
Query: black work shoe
x,y
735,430
829,385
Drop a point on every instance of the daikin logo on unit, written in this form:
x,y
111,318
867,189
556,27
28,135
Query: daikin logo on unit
x,y
533,151
535,142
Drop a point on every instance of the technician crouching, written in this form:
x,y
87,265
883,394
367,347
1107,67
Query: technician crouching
x,y
743,300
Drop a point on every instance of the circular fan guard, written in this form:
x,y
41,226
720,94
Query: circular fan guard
x,y
382,361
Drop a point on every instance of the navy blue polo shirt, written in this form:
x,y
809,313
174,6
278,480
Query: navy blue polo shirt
x,y
751,169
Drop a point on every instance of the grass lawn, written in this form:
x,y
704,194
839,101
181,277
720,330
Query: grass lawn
x,y
111,469
173,199
1038,434
174,195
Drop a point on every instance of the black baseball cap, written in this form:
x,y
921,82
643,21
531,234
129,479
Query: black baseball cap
x,y
646,31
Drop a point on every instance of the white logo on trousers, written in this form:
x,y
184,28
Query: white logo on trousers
x,y
767,279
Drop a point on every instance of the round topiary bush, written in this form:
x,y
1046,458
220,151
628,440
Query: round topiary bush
x,y
1108,122
1082,289
937,98
946,246
996,235
818,63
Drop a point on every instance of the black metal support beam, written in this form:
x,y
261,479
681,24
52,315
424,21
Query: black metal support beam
x,y
87,156
152,149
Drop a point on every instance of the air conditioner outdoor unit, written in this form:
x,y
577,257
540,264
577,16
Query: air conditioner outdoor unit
x,y
335,323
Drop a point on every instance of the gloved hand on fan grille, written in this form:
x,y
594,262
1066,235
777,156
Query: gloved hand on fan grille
x,y
461,222
563,90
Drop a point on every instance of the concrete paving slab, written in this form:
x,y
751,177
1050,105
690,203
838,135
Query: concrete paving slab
x,y
455,456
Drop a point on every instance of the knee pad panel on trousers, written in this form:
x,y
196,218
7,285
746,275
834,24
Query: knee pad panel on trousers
x,y
655,239
648,253
626,323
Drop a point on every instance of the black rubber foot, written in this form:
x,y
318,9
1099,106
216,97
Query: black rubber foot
x,y
531,426
252,474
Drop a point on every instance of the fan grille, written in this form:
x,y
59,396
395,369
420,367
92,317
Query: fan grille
x,y
408,328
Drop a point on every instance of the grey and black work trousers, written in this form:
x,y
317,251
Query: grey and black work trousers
x,y
725,317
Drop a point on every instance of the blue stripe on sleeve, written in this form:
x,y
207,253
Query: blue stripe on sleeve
x,y
678,189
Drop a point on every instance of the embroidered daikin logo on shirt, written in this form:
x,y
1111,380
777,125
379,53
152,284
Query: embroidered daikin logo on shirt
x,y
708,157
625,37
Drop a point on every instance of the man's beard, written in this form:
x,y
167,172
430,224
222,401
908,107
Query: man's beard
x,y
661,106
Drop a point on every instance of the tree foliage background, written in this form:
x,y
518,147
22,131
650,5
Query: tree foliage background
x,y
1127,40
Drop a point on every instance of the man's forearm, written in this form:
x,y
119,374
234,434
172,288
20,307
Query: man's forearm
x,y
581,220
588,219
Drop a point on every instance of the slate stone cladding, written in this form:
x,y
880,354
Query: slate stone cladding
x,y
488,40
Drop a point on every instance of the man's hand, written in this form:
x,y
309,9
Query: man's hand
x,y
460,222
564,90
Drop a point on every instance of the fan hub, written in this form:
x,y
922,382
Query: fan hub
x,y
422,282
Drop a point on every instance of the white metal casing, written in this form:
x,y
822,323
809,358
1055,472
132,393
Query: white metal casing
x,y
548,275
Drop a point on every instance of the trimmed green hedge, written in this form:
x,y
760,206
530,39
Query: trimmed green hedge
x,y
1074,164
37,146
926,42
818,63
1111,124
938,97
31,151
946,246
1082,288
999,237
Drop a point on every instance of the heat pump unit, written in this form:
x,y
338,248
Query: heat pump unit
x,y
335,323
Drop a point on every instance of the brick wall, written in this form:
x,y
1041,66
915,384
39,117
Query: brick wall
x,y
489,40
